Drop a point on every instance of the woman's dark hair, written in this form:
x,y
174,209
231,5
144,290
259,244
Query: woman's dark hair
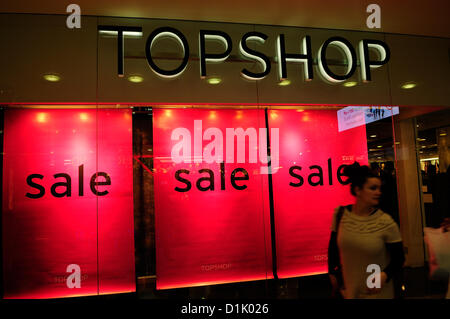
x,y
358,175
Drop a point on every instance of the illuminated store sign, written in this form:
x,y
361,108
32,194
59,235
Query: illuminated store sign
x,y
214,223
67,215
305,56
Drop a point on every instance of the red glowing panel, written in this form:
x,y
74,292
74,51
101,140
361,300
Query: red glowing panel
x,y
306,187
208,230
67,200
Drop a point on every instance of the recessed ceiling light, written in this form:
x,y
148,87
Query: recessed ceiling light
x,y
443,134
380,146
409,85
214,81
350,84
135,78
284,82
52,77
373,135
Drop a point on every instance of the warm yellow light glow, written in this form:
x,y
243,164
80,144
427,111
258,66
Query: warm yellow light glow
x,y
135,78
350,84
409,85
373,136
214,81
443,134
273,115
212,115
168,113
84,117
41,117
284,82
239,115
429,159
300,110
380,146
52,77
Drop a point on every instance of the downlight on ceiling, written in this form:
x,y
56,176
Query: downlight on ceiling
x,y
350,84
409,85
52,77
135,78
284,82
214,81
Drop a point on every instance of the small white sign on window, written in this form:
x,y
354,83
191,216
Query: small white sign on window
x,y
354,116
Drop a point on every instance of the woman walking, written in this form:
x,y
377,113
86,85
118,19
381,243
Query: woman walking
x,y
363,240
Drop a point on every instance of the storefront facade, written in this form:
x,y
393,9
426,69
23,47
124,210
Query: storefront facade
x,y
151,155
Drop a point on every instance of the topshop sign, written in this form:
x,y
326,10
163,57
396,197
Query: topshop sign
x,y
304,56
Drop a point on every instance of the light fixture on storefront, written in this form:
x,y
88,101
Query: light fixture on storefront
x,y
284,82
135,78
350,84
214,81
52,77
373,136
408,85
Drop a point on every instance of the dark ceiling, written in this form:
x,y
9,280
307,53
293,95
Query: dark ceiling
x,y
416,17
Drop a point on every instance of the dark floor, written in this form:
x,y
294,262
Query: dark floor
x,y
416,282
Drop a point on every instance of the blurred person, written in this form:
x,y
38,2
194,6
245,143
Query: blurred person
x,y
363,235
446,227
